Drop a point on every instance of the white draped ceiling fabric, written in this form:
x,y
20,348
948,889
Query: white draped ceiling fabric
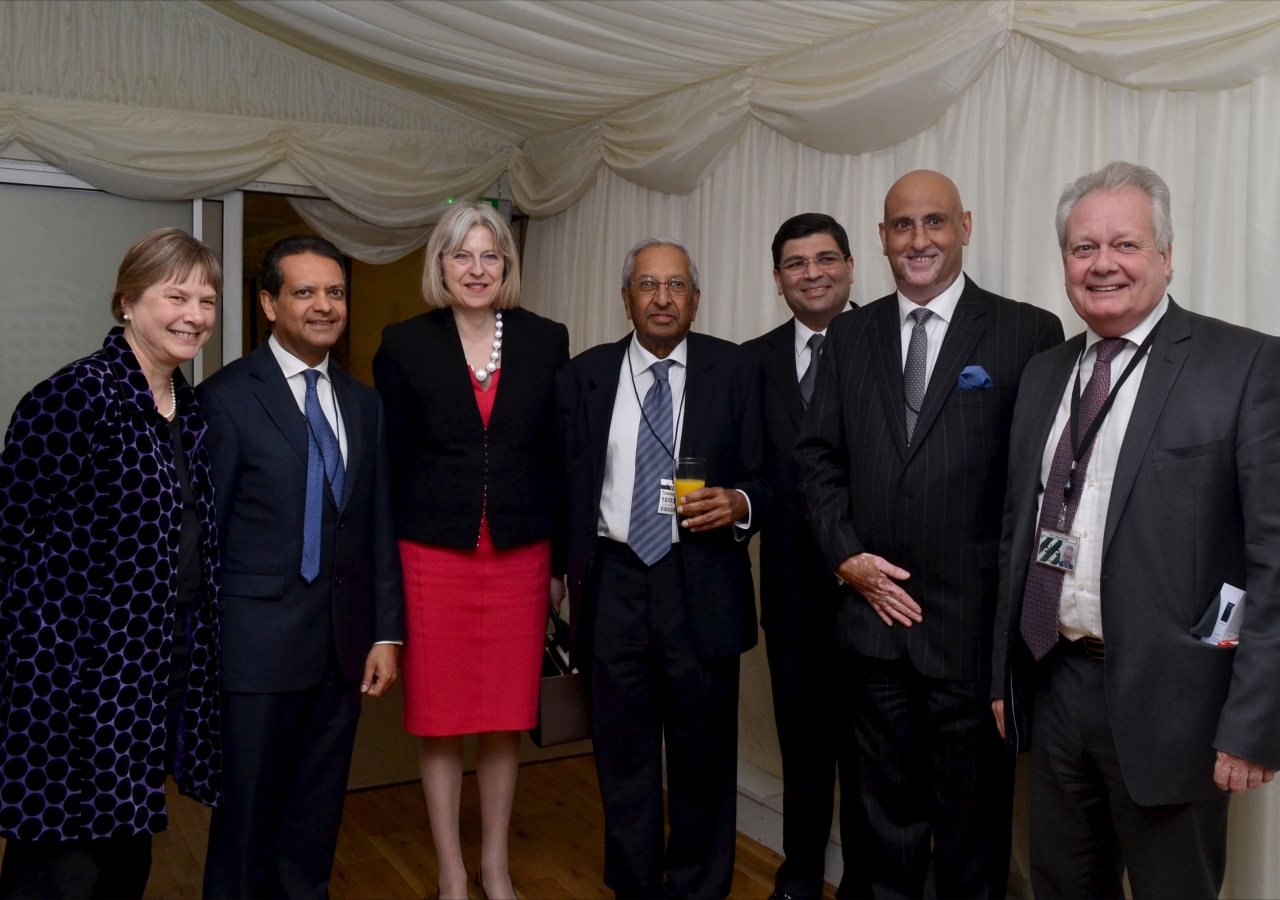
x,y
711,122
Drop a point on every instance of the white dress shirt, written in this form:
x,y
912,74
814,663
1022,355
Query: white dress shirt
x,y
803,354
1080,612
634,382
293,369
943,308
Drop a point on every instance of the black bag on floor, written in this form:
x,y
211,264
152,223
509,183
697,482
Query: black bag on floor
x,y
562,702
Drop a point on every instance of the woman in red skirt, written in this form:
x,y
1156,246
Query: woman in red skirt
x,y
468,390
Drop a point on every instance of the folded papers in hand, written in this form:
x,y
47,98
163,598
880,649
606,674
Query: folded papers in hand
x,y
1226,629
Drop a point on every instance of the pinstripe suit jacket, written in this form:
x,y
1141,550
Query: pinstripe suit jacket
x,y
933,507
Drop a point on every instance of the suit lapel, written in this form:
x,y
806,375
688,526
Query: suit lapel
x,y
697,394
1168,353
888,369
349,406
962,336
602,389
780,362
278,401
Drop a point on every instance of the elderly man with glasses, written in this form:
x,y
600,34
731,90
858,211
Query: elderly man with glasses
x,y
660,585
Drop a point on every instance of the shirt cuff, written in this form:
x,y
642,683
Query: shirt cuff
x,y
397,643
744,524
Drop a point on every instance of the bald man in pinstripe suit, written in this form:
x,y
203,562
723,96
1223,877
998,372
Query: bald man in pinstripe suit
x,y
902,456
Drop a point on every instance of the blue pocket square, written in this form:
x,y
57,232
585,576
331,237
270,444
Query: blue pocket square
x,y
973,378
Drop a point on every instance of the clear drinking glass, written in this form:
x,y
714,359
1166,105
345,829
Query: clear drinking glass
x,y
691,475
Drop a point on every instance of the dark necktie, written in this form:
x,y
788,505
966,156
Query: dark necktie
x,y
650,532
1043,594
811,373
324,465
914,378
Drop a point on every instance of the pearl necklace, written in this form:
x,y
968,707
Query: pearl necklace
x,y
495,356
173,401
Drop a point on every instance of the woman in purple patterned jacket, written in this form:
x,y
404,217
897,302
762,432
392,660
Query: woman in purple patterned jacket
x,y
108,562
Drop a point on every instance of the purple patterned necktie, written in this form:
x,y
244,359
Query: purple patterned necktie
x,y
1043,593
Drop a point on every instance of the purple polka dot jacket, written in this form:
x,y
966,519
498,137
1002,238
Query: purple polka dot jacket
x,y
90,514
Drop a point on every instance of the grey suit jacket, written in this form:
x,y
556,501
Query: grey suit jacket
x,y
1195,503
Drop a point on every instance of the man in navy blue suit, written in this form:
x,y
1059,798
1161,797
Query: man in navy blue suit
x,y
311,604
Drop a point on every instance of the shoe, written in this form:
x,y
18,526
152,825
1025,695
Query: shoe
x,y
484,896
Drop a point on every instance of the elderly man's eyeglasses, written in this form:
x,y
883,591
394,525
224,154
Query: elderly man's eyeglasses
x,y
826,261
647,287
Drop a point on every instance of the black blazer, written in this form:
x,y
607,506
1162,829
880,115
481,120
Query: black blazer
x,y
1195,502
797,592
442,457
934,507
722,425
278,632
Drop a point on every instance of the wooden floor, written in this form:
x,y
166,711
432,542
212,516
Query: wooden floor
x,y
385,849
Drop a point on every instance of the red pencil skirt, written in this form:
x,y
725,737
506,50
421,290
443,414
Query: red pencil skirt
x,y
475,622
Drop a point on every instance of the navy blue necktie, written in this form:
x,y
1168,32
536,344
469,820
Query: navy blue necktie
x,y
650,532
324,465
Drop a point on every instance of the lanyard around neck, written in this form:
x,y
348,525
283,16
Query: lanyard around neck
x,y
1080,447
675,431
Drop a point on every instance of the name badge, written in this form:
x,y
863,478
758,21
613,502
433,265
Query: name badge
x,y
1058,549
667,497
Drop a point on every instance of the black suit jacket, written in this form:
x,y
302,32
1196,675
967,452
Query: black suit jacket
x,y
797,591
443,458
278,632
721,425
933,507
1195,502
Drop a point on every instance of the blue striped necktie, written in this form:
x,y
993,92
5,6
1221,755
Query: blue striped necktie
x,y
650,532
324,465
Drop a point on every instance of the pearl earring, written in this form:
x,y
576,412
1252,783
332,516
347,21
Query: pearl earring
x,y
125,317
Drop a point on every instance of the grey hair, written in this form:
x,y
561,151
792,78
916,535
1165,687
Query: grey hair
x,y
1115,176
629,264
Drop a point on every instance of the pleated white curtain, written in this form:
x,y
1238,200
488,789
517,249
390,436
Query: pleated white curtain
x,y
1030,125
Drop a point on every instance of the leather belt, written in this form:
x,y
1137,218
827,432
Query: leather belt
x,y
1088,646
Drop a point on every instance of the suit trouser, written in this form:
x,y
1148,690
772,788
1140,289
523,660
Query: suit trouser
x,y
937,781
814,737
1085,827
93,867
285,762
648,681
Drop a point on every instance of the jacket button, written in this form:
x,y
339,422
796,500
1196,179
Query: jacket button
x,y
337,582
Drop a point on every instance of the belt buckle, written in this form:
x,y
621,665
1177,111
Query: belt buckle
x,y
1093,647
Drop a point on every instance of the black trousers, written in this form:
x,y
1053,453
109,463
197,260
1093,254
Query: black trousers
x,y
1085,828
815,734
647,681
98,867
285,762
937,782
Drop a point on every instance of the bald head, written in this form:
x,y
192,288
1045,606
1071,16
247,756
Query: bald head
x,y
923,234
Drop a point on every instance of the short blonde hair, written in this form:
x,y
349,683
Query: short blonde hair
x,y
158,257
448,236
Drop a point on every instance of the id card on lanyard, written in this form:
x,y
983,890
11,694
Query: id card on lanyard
x,y
666,486
1059,547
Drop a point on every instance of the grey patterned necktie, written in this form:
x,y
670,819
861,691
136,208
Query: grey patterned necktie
x,y
806,381
650,532
913,373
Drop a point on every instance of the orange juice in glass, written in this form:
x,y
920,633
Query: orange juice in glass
x,y
691,475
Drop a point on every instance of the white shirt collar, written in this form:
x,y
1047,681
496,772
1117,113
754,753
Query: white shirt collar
x,y
803,333
943,306
291,365
642,359
1139,332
